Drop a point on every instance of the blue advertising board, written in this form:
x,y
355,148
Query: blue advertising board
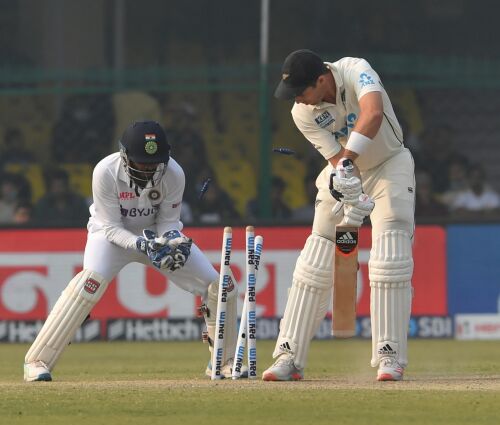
x,y
473,268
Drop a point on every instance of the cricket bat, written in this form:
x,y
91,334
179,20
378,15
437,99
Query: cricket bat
x,y
345,273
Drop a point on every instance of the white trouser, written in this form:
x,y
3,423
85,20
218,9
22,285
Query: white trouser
x,y
392,187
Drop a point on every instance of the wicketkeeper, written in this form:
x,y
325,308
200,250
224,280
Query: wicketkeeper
x,y
135,217
343,109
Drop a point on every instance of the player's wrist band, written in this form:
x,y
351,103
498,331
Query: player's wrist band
x,y
357,142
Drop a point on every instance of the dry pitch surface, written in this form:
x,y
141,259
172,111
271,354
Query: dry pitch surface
x,y
448,382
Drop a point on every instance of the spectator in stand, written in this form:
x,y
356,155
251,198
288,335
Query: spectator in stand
x,y
61,206
81,131
457,177
279,208
426,203
479,200
187,144
215,207
14,188
14,150
435,155
23,213
305,213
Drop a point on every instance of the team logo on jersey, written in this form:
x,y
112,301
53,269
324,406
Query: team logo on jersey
x,y
365,80
151,146
153,195
324,120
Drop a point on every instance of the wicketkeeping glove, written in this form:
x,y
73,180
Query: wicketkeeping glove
x,y
171,250
162,258
144,243
173,239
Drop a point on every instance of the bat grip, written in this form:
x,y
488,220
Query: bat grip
x,y
347,169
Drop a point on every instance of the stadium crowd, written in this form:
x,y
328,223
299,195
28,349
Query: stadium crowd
x,y
449,184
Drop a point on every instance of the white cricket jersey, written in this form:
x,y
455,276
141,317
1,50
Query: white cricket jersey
x,y
327,126
121,210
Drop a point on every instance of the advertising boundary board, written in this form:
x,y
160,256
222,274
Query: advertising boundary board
x,y
33,274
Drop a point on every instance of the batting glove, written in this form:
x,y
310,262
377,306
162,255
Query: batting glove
x,y
354,215
347,188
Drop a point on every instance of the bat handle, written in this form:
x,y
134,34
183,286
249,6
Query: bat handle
x,y
347,169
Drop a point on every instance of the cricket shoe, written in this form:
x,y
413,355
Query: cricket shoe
x,y
36,371
227,370
389,369
283,369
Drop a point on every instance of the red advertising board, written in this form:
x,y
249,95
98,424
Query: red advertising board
x,y
36,265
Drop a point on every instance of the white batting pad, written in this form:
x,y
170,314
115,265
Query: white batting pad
x,y
308,299
230,330
69,312
391,269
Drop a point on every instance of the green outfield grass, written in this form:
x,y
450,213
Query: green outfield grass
x,y
448,382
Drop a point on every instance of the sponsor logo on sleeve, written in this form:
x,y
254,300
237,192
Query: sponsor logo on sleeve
x,y
366,80
324,119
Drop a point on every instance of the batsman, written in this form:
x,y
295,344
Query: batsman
x,y
343,109
135,217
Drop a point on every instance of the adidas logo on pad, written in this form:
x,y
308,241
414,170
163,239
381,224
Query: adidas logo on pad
x,y
285,348
387,350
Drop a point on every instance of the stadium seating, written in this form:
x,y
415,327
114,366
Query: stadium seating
x,y
132,106
33,115
237,178
293,172
472,117
34,174
80,178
